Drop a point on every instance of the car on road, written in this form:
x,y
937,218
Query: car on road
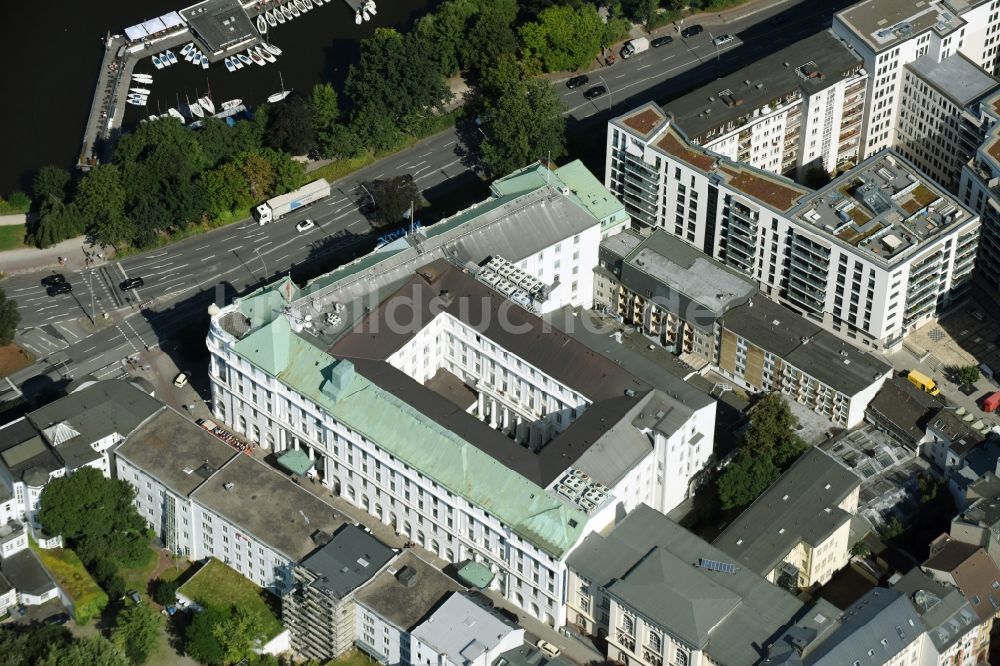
x,y
305,225
58,618
181,380
978,315
595,92
692,30
131,283
722,40
577,81
59,288
548,648
661,41
55,278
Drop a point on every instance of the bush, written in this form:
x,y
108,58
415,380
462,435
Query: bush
x,y
165,591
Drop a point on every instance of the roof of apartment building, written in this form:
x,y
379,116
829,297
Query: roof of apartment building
x,y
528,655
905,406
811,65
260,500
883,24
872,631
801,506
687,281
347,561
884,208
462,630
960,434
622,244
946,614
956,77
984,510
973,571
658,568
26,455
172,449
407,591
26,573
804,345
5,585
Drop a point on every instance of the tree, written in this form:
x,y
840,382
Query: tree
x,y
563,38
522,119
325,113
745,479
165,591
640,11
97,515
892,529
31,645
772,432
860,549
393,197
968,374
100,199
50,181
199,638
136,632
54,223
238,634
444,32
86,652
9,318
490,36
290,126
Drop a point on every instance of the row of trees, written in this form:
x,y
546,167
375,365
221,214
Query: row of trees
x,y
53,645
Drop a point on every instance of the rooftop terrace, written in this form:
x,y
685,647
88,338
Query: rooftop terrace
x,y
883,24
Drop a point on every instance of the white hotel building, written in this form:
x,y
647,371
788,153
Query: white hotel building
x,y
871,256
427,391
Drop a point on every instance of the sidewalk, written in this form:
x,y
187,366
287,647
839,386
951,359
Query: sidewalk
x,y
30,259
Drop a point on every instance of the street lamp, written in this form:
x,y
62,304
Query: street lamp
x,y
257,250
93,306
608,88
716,48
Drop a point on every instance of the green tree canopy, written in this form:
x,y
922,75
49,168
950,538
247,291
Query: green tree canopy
x,y
9,318
772,431
86,652
238,634
165,591
55,222
744,479
290,126
393,197
50,181
325,114
563,38
100,199
968,374
136,632
444,33
490,36
27,646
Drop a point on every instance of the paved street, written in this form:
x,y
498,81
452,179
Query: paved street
x,y
183,278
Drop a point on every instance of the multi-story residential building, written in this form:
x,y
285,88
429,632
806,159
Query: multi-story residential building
x,y
889,34
319,610
949,440
902,411
794,109
461,632
797,533
696,305
934,102
206,499
395,602
662,595
980,190
969,568
553,438
873,255
979,522
23,579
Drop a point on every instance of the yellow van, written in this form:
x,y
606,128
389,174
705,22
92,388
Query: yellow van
x,y
923,382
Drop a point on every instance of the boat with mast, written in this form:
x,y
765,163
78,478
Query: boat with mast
x,y
174,113
278,96
273,49
271,21
194,110
279,15
293,8
300,5
265,54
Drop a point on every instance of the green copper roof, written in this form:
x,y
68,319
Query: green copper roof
x,y
408,435
261,306
350,269
476,575
295,461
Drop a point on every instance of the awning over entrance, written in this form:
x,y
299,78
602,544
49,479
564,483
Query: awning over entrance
x,y
296,462
476,575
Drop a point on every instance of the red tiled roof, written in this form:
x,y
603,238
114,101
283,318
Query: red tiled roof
x,y
645,121
770,191
673,146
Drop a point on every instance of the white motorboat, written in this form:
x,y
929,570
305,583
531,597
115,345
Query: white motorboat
x,y
308,4
204,61
357,17
271,21
244,59
187,49
300,6
365,15
237,62
156,62
273,49
265,54
144,79
174,113
139,91
231,104
207,104
194,110
370,6
294,9
229,65
171,58
261,24
279,15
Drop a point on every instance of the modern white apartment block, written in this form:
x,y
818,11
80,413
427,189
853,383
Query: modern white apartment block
x,y
871,256
980,190
426,390
792,110
461,632
889,34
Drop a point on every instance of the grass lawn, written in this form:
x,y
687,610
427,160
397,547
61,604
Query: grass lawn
x,y
67,569
12,237
13,358
218,585
137,578
353,658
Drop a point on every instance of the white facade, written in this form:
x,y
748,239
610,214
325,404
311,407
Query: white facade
x,y
377,636
462,633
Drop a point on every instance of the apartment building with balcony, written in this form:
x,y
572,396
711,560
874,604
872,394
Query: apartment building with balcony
x,y
797,533
319,608
979,189
871,256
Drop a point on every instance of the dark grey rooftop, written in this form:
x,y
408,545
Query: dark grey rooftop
x,y
811,65
349,560
802,505
26,573
885,23
171,448
946,614
651,563
956,77
220,23
263,502
811,349
407,591
25,454
905,406
873,631
528,655
961,436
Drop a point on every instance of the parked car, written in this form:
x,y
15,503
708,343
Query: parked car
x,y
661,41
305,225
58,618
692,30
722,40
548,648
978,315
55,278
134,596
577,81
181,380
131,283
60,288
595,92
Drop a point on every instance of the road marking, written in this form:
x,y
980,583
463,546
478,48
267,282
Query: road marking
x,y
202,247
620,76
645,66
419,163
449,143
154,256
89,349
66,330
430,152
238,247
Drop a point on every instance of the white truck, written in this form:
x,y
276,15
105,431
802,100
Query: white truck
x,y
634,47
276,207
